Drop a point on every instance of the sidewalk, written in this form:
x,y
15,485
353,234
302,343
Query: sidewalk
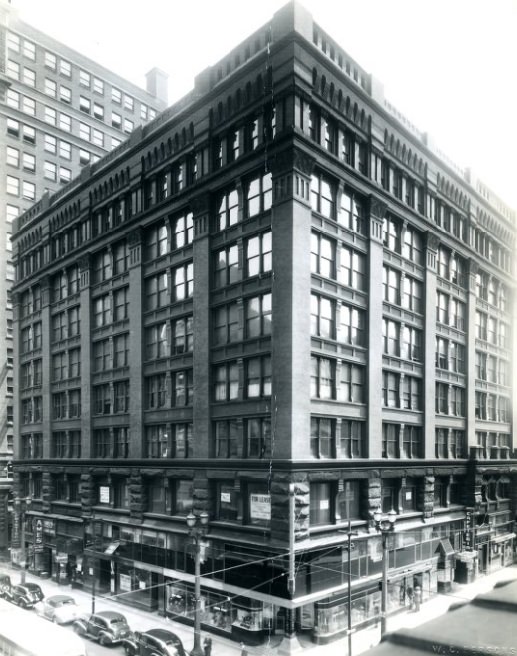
x,y
142,620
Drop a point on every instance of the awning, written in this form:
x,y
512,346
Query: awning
x,y
446,548
503,538
111,548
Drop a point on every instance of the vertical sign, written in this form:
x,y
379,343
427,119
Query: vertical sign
x,y
469,527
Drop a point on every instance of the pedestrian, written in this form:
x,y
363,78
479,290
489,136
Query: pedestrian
x,y
244,651
207,646
418,598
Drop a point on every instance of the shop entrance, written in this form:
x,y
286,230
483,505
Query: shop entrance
x,y
104,581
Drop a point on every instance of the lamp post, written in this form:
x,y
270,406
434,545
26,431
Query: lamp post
x,y
197,528
385,524
350,545
22,505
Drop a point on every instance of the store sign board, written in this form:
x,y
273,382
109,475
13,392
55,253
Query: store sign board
x,y
49,527
37,528
260,506
104,494
124,582
226,497
469,525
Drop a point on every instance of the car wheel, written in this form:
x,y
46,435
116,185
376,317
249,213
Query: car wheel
x,y
104,641
129,650
22,604
78,630
55,620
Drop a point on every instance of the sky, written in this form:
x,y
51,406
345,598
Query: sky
x,y
450,66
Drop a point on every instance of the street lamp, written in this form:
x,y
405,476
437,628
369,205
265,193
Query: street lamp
x,y
385,524
350,545
197,528
21,506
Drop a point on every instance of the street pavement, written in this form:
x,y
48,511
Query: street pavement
x,y
363,640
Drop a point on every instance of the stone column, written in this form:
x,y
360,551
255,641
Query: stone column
x,y
429,382
86,366
375,303
291,283
201,304
136,437
46,366
470,359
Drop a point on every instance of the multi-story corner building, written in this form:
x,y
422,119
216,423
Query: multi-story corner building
x,y
277,304
58,112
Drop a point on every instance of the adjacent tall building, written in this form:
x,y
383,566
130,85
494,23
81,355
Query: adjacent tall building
x,y
58,112
279,305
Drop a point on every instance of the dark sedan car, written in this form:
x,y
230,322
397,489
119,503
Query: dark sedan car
x,y
107,627
155,642
24,596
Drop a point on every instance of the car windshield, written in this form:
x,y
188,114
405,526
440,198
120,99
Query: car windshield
x,y
118,620
67,602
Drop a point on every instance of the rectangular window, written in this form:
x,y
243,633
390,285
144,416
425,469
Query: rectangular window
x,y
259,195
226,324
411,344
258,377
50,87
65,94
227,210
98,85
258,254
413,297
322,437
182,388
352,271
391,285
411,442
157,342
323,317
121,350
226,439
323,196
226,266
156,391
183,230
102,402
321,504
351,383
323,378
352,439
102,355
226,382
390,441
156,291
390,389
65,122
258,438
183,278
102,311
352,212
183,495
228,501
121,396
182,441
183,335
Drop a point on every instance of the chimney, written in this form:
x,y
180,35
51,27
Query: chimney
x,y
157,84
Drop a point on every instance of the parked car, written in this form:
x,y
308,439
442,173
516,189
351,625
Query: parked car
x,y
5,583
24,596
60,609
155,642
107,627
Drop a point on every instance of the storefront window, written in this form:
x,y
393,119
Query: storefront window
x,y
334,619
229,502
320,504
259,504
183,496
